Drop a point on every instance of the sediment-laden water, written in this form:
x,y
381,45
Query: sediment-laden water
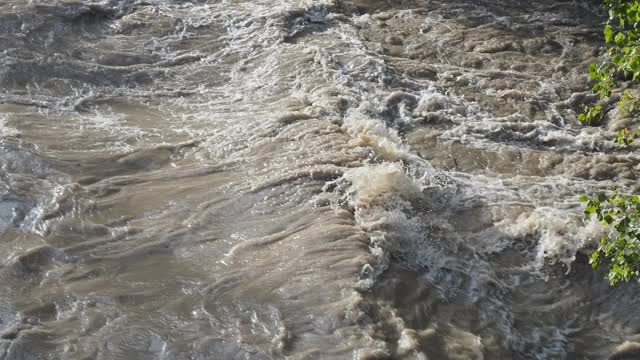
x,y
348,179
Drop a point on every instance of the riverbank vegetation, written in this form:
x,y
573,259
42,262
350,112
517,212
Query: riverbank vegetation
x,y
616,79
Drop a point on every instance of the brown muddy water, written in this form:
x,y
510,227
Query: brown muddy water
x,y
230,179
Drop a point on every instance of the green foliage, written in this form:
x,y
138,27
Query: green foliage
x,y
620,248
625,137
591,114
628,102
622,35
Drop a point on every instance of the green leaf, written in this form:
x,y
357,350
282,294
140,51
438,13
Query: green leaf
x,y
583,198
608,219
608,33
593,74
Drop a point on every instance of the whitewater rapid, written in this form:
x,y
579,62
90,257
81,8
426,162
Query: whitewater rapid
x,y
348,179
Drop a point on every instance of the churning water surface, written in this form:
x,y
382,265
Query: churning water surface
x,y
304,179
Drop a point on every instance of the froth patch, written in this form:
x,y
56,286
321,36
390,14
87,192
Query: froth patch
x,y
374,185
560,234
6,130
373,134
629,350
432,101
382,197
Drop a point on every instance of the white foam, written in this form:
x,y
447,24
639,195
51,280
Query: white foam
x,y
6,130
366,132
560,234
372,185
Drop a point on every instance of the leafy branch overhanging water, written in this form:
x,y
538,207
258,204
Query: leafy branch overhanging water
x,y
618,75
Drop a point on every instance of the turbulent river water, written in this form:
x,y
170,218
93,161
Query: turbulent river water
x,y
261,179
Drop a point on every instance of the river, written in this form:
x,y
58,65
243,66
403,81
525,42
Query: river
x,y
321,179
